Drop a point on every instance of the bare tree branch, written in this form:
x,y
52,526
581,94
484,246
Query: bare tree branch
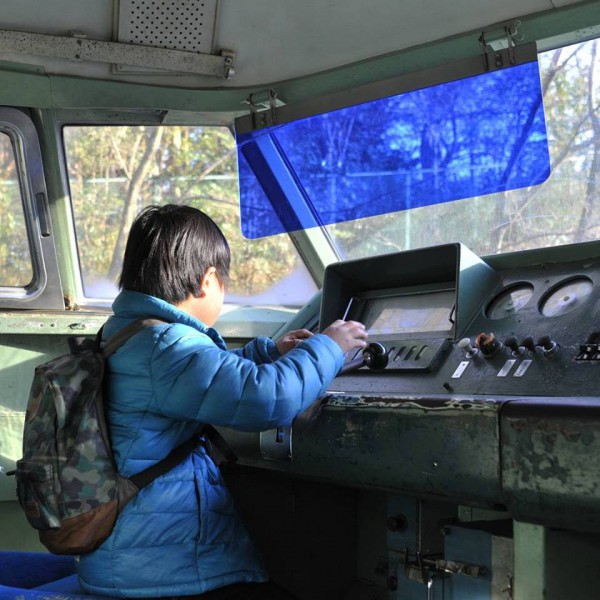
x,y
133,192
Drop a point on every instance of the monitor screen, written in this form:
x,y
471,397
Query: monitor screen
x,y
416,313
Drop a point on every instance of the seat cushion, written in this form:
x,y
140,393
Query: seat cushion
x,y
30,569
40,576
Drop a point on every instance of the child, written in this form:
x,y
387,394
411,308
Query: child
x,y
181,536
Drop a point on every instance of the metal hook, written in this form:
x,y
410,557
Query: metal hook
x,y
503,35
260,101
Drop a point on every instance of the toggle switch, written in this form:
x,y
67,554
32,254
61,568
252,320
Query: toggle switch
x,y
548,346
513,345
529,344
468,348
489,344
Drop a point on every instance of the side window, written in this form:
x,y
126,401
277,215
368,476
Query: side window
x,y
115,171
29,273
14,246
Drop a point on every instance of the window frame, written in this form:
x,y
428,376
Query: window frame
x,y
44,291
314,247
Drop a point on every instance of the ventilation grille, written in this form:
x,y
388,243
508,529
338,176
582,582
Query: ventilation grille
x,y
174,24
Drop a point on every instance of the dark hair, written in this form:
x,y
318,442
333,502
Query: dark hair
x,y
169,249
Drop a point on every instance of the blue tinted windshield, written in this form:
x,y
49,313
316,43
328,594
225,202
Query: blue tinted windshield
x,y
465,138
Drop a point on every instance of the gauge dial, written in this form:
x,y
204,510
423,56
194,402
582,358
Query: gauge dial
x,y
509,301
566,296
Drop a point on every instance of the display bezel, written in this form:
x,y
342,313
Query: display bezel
x,y
359,303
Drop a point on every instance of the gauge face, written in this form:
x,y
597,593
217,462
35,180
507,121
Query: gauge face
x,y
566,296
509,301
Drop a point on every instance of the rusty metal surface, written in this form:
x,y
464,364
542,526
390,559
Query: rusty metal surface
x,y
435,447
550,462
440,448
536,457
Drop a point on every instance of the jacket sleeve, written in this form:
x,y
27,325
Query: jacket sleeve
x,y
194,379
260,350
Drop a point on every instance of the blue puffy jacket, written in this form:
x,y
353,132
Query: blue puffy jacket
x,y
181,534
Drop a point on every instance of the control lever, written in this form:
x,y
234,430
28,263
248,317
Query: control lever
x,y
375,356
549,346
528,344
513,345
469,350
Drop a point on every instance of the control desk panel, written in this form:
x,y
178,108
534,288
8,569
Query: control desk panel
x,y
447,322
479,385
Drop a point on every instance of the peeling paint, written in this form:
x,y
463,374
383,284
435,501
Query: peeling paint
x,y
428,404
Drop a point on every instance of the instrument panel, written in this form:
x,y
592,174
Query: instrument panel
x,y
494,329
509,301
488,394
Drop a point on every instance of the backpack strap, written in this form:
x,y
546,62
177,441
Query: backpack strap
x,y
176,456
212,438
215,441
119,338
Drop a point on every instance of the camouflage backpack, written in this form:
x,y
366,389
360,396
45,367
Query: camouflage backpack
x,y
67,481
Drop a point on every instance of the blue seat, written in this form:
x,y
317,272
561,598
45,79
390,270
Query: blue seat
x,y
40,576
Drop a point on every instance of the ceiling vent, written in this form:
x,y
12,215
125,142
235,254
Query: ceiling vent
x,y
174,24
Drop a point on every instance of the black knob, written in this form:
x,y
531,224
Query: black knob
x,y
549,346
511,342
528,343
375,356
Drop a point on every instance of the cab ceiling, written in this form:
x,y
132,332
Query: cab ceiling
x,y
273,40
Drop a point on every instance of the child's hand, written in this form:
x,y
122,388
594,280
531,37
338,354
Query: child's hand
x,y
348,334
291,340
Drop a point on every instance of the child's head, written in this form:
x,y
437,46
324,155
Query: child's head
x,y
170,249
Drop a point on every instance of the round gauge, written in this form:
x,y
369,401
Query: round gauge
x,y
566,296
509,301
